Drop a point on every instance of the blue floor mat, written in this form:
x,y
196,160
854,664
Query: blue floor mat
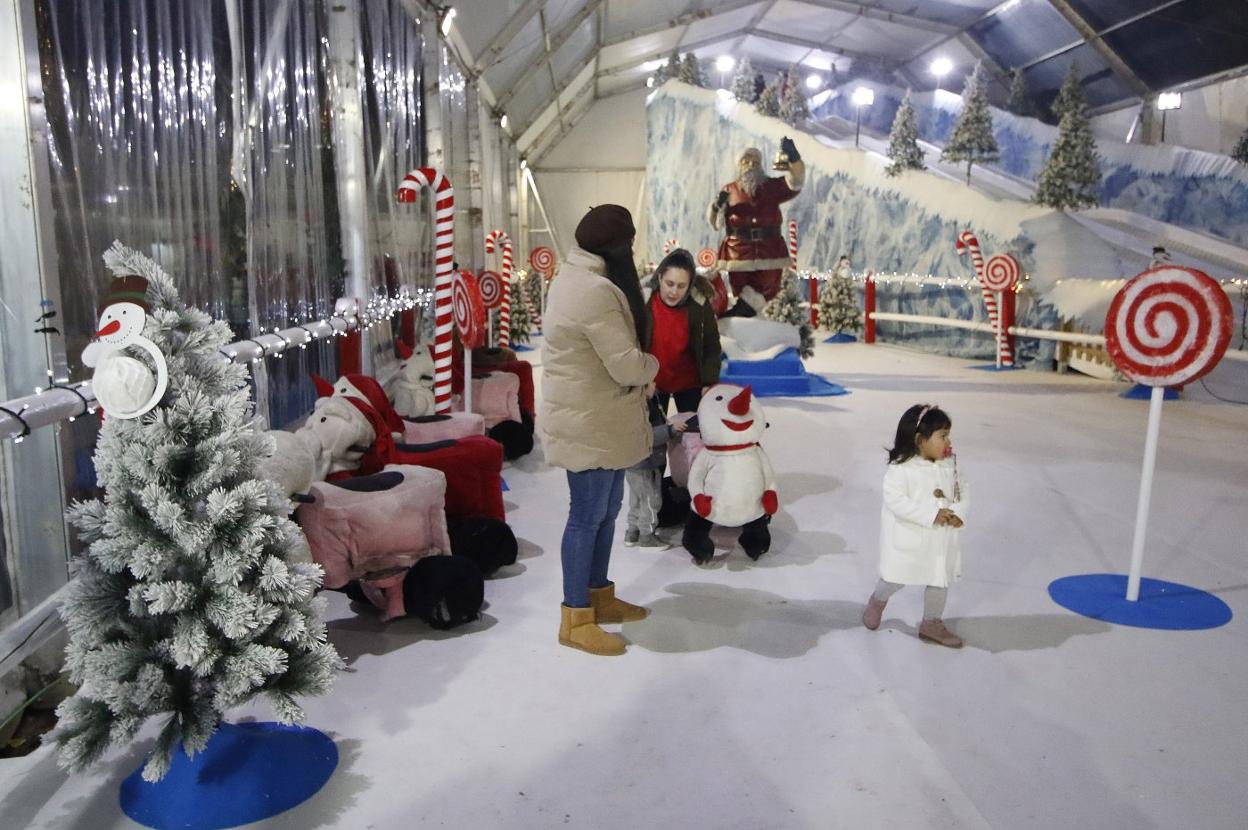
x,y
783,376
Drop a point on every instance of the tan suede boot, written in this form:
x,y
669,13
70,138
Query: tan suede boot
x,y
578,630
873,613
934,631
609,609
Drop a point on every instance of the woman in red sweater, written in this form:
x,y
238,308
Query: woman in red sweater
x,y
683,333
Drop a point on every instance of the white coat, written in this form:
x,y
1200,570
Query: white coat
x,y
912,550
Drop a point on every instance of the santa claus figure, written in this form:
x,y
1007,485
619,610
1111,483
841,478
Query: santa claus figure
x,y
731,481
753,251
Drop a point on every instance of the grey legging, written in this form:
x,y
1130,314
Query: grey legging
x,y
933,597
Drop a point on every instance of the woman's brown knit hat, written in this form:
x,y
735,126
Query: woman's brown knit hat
x,y
605,228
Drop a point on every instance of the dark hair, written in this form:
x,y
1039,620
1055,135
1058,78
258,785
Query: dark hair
x,y
682,259
919,421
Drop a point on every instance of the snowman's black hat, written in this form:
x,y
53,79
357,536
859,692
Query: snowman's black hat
x,y
128,289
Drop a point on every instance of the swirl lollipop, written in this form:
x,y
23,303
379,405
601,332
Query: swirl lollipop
x,y
467,309
1001,273
542,259
1166,326
707,258
491,285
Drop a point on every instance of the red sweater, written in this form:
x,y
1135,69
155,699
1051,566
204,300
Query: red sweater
x,y
670,344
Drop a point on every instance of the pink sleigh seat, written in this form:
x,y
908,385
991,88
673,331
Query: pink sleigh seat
x,y
373,528
496,396
450,427
681,451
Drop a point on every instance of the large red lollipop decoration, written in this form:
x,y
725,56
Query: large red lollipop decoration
x,y
444,254
1001,273
1165,327
968,243
707,258
542,259
469,315
500,239
491,285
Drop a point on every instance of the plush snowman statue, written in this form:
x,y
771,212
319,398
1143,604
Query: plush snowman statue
x,y
124,386
412,388
731,482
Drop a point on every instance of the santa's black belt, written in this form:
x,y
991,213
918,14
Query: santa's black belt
x,y
754,233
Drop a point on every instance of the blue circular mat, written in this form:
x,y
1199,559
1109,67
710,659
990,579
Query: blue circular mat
x,y
248,772
1164,605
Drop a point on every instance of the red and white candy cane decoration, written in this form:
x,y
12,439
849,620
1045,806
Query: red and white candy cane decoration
x,y
669,246
542,259
1165,327
504,306
968,243
793,244
444,255
707,257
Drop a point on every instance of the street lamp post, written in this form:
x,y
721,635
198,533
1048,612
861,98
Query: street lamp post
x,y
863,97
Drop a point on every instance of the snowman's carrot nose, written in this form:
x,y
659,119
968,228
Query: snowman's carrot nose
x,y
111,328
740,405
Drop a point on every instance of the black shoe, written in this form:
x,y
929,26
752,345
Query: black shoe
x,y
741,309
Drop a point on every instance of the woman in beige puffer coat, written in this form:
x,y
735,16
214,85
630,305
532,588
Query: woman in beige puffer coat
x,y
592,415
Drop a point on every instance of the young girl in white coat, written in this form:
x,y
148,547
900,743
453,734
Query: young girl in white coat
x,y
925,506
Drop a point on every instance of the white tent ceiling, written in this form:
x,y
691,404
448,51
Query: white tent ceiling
x,y
544,62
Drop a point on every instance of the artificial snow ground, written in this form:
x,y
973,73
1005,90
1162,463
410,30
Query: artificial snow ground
x,y
753,697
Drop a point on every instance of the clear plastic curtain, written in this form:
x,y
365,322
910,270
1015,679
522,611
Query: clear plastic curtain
x,y
285,166
453,92
138,133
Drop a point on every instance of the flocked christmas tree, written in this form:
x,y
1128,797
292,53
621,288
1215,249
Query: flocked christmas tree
x,y
187,601
903,141
1240,153
838,309
533,284
670,70
521,326
768,102
1019,102
786,307
743,82
793,107
1070,96
691,70
972,140
1071,177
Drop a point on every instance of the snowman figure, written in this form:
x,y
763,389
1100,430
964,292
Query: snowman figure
x,y
125,387
731,481
412,389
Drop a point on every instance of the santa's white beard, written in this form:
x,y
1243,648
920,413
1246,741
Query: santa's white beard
x,y
749,181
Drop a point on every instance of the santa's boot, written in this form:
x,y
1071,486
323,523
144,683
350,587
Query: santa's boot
x,y
608,608
577,629
697,539
756,537
741,309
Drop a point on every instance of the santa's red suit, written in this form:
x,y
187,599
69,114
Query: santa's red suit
x,y
754,251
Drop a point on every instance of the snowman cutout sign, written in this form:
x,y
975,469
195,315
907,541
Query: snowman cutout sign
x,y
125,387
731,481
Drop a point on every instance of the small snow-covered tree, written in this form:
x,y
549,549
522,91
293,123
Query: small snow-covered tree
x,y
1071,177
1240,153
691,70
786,307
972,139
670,70
793,106
1071,95
521,324
768,102
743,82
838,309
187,601
1020,102
903,141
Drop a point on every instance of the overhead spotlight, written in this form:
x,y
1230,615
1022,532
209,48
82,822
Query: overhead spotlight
x,y
725,63
941,67
446,20
1169,101
814,81
524,164
864,96
502,122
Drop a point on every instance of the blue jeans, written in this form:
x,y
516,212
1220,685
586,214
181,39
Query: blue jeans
x,y
596,498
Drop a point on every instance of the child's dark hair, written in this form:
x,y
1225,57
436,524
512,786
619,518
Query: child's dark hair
x,y
679,258
919,421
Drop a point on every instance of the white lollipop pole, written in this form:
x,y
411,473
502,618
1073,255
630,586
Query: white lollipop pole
x,y
467,380
1000,326
1157,395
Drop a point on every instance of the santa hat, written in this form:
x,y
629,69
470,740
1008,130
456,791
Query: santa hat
x,y
405,351
128,289
382,449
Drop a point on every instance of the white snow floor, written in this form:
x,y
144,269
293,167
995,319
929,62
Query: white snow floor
x,y
753,698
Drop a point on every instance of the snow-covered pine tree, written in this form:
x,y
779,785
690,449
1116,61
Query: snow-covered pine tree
x,y
793,106
786,307
972,139
1071,95
521,325
1020,102
1071,177
838,309
187,601
533,284
903,140
1240,153
743,82
768,102
691,70
659,76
